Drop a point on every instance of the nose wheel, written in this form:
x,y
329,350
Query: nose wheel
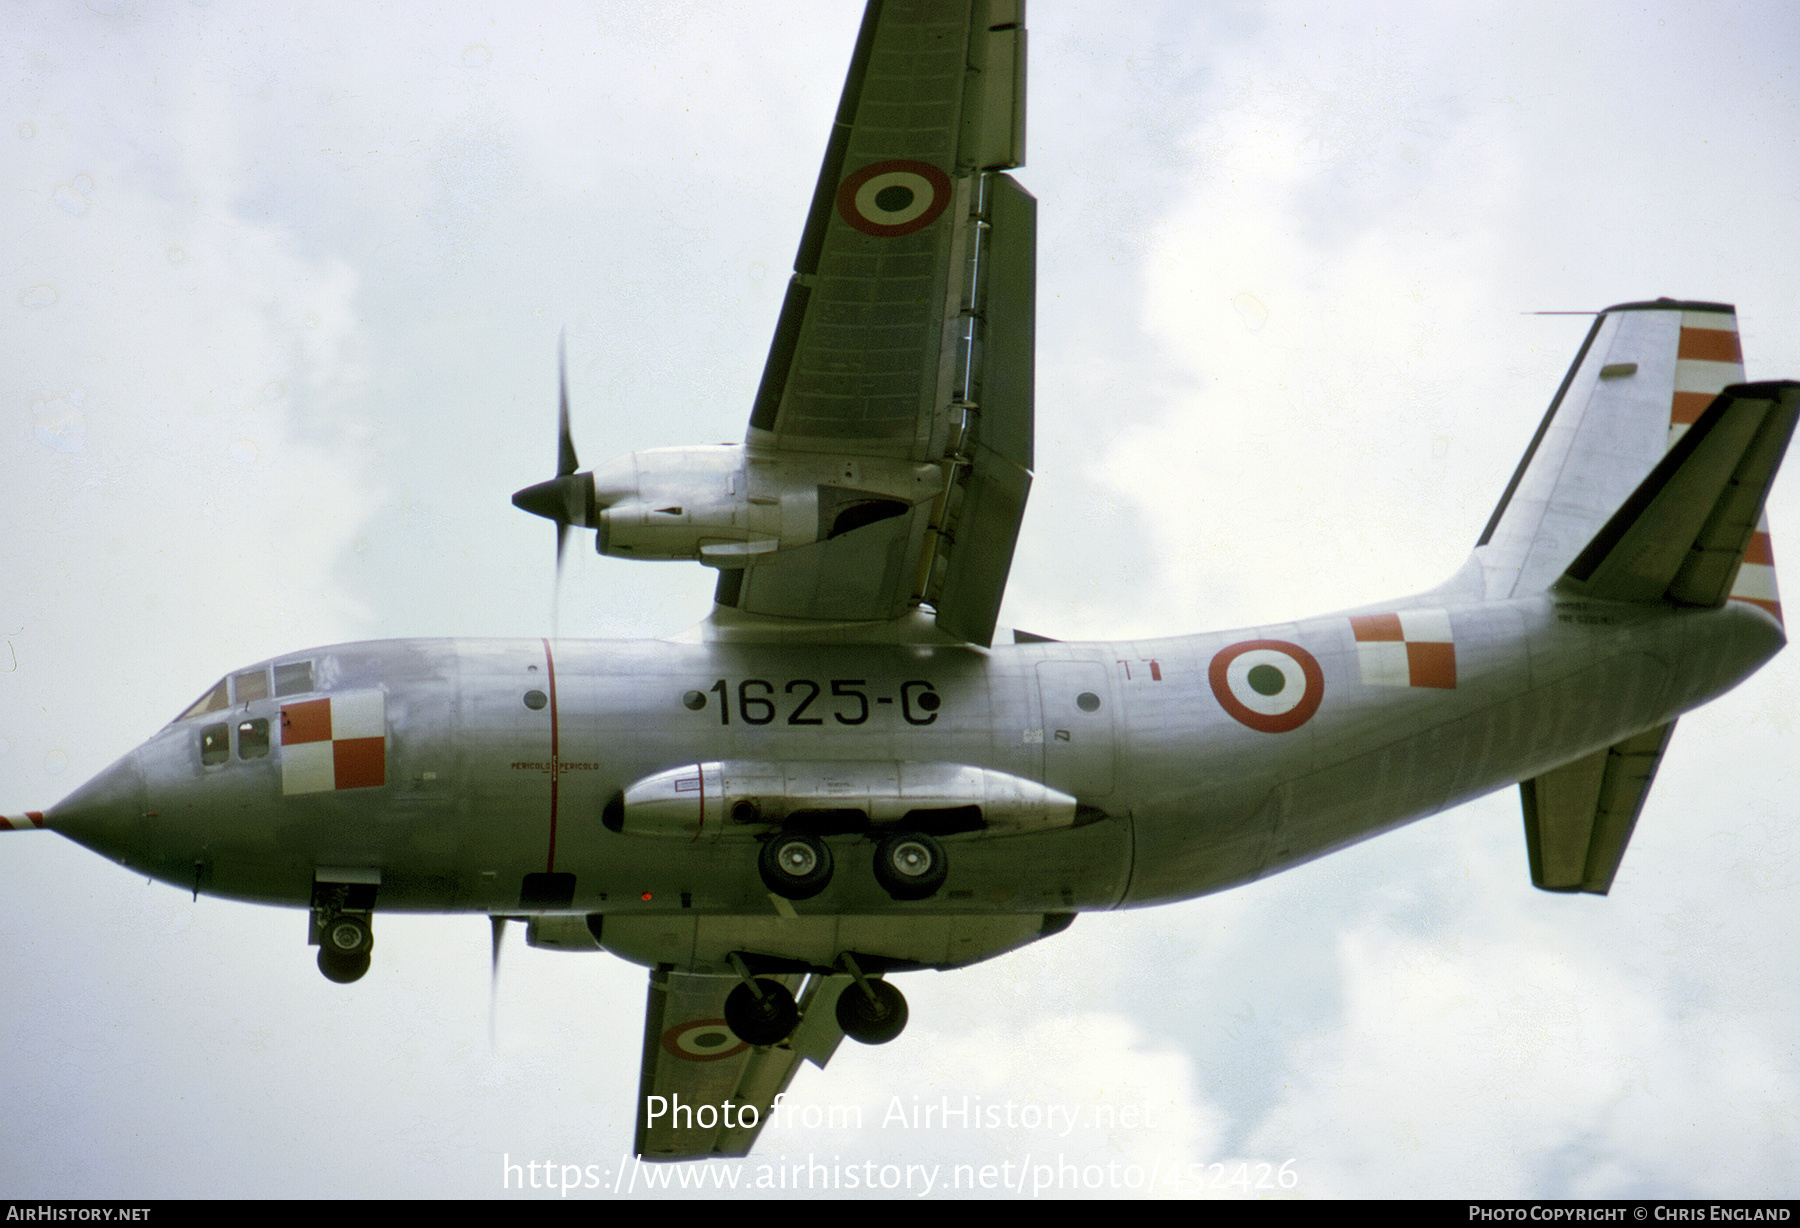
x,y
343,927
344,944
343,969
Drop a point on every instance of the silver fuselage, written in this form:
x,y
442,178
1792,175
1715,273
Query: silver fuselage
x,y
1179,798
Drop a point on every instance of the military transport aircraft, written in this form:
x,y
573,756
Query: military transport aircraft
x,y
840,776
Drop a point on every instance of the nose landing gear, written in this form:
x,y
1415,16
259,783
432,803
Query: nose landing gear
x,y
344,944
342,926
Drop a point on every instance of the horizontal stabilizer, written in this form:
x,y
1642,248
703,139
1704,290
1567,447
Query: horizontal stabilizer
x,y
1683,533
1579,818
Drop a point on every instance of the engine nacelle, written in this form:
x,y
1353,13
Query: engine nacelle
x,y
741,797
727,505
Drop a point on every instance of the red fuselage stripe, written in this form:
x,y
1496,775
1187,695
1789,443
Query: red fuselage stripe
x,y
555,765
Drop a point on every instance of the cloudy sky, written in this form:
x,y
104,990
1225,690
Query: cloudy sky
x,y
282,295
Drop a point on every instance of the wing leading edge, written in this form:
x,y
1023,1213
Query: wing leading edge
x,y
898,389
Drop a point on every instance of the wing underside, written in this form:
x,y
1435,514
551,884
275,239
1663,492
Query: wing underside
x,y
703,1092
905,343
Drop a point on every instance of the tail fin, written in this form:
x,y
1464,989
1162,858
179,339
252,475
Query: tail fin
x,y
1645,482
1646,375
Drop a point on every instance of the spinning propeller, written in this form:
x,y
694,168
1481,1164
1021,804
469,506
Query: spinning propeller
x,y
568,498
499,927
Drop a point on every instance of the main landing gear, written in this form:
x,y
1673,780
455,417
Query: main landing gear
x,y
795,865
909,865
762,1011
870,1012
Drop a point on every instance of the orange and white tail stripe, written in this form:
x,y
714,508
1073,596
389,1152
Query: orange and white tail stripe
x,y
31,820
1707,360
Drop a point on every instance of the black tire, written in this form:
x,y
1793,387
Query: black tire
x,y
795,865
764,1023
343,969
872,1023
346,934
910,865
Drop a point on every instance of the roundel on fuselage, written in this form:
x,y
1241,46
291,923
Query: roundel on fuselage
x,y
1270,685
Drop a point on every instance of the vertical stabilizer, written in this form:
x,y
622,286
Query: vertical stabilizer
x,y
1645,374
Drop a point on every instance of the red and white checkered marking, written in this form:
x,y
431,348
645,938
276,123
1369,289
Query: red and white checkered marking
x,y
339,742
31,820
1409,648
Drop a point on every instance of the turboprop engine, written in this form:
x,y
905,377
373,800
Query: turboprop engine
x,y
725,504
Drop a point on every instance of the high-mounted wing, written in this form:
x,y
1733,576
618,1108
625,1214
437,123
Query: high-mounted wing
x,y
703,1092
907,332
889,450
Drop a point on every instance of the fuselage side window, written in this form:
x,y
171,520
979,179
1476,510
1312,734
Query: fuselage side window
x,y
215,700
215,746
253,738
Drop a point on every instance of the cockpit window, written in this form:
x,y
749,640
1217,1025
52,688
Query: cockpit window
x,y
293,678
215,746
251,684
215,700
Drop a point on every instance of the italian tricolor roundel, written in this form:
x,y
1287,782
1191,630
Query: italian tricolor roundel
x,y
893,198
702,1040
1270,685
339,742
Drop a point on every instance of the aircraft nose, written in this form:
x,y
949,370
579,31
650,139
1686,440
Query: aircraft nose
x,y
107,813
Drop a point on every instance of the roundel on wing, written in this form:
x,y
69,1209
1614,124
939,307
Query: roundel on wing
x,y
702,1040
1270,685
894,198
